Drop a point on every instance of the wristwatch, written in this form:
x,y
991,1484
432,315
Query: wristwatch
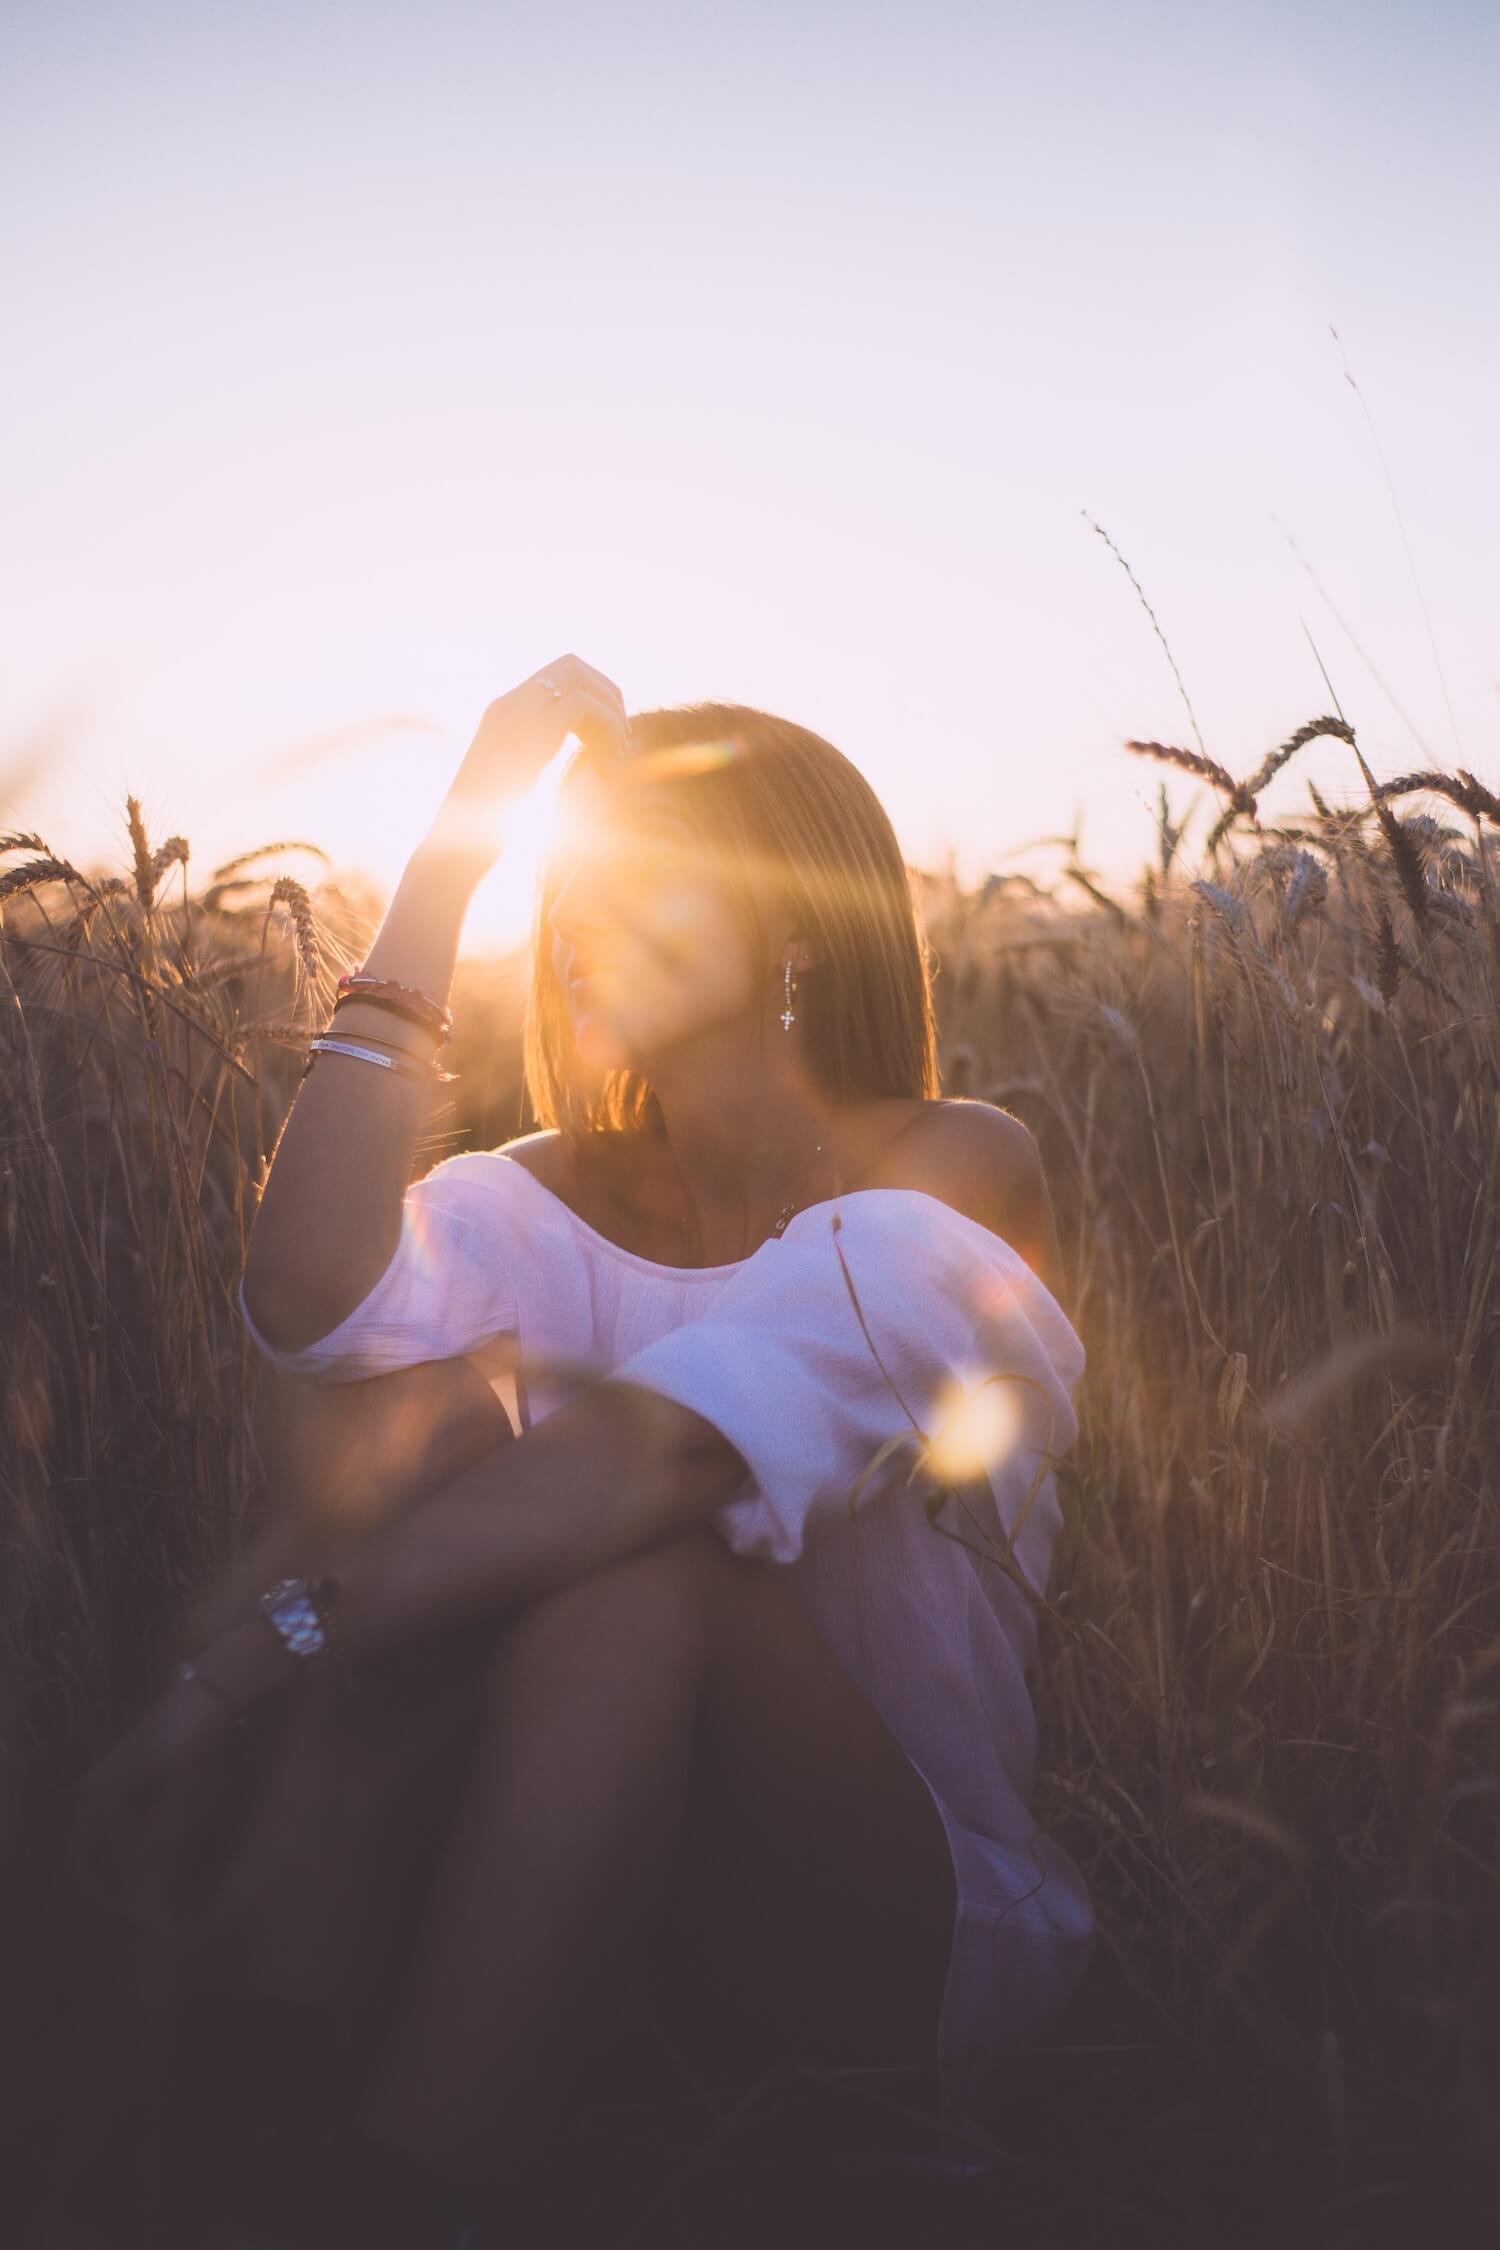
x,y
296,1608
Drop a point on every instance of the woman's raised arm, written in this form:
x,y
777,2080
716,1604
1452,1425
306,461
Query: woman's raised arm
x,y
330,1214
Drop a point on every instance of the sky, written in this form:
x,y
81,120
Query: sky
x,y
357,363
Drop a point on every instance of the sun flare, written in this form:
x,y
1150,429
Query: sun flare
x,y
500,912
499,916
974,1428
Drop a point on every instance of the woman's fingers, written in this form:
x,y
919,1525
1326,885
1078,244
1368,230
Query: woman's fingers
x,y
600,725
574,677
519,734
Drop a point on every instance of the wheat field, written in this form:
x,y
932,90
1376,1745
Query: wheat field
x,y
1267,1096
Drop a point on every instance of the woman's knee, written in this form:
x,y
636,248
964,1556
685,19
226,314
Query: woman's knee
x,y
663,1598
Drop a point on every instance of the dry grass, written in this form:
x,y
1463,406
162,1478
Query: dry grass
x,y
1269,1694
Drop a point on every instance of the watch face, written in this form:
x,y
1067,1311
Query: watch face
x,y
294,1616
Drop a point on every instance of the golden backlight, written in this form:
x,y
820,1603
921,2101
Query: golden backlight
x,y
499,916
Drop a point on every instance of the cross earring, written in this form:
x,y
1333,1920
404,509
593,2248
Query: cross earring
x,y
787,1017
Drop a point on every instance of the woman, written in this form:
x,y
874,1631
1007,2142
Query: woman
x,y
728,1711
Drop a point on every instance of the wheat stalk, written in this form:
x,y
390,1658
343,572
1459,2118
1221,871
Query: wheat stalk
x,y
1469,795
1389,959
266,851
1191,761
1307,890
1155,626
1230,910
290,893
1275,759
31,872
1404,853
145,871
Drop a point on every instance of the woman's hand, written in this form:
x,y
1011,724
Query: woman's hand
x,y
518,734
124,1826
131,1806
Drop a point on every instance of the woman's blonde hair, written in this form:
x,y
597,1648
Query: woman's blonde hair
x,y
777,797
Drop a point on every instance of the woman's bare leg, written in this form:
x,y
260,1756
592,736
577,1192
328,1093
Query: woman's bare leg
x,y
349,1817
806,1841
555,1870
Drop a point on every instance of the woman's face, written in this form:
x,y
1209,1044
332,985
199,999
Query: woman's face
x,y
645,946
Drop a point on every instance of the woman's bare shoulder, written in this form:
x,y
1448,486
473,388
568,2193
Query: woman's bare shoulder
x,y
547,1155
983,1162
594,1178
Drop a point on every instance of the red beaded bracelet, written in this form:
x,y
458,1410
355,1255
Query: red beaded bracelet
x,y
406,1010
359,981
384,991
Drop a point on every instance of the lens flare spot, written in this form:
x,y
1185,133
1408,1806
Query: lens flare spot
x,y
683,758
976,1424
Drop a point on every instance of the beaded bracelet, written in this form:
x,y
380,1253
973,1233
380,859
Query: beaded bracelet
x,y
402,997
396,1008
356,980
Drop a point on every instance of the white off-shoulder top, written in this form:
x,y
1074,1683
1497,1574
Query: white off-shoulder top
x,y
878,1315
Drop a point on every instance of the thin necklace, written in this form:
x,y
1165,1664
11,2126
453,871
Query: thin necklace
x,y
788,1210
